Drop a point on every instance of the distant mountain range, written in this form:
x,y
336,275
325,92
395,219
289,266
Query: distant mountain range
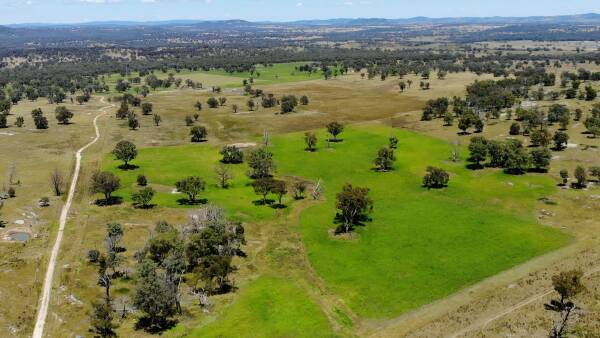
x,y
590,18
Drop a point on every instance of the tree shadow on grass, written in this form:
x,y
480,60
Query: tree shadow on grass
x,y
186,201
128,167
278,206
335,140
146,324
113,200
358,222
144,207
475,166
261,202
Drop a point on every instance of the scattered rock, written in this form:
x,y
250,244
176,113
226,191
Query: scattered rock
x,y
73,300
20,222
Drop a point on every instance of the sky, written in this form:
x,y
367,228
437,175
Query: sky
x,y
73,11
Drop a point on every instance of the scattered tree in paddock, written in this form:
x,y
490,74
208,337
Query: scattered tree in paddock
x,y
581,177
568,285
232,155
435,178
57,182
147,108
141,180
20,121
157,120
479,150
564,175
143,197
125,151
540,159
261,163
540,138
385,159
198,134
132,121
515,129
393,142
353,203
561,139
222,100
402,86
101,320
154,298
198,105
310,139
262,187
104,182
63,115
123,110
279,188
41,122
212,102
191,186
288,104
3,121
298,189
590,93
189,121
592,124
196,116
234,108
448,119
335,128
251,104
224,175
304,100
595,172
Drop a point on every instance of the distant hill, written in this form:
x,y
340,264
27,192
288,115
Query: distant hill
x,y
590,18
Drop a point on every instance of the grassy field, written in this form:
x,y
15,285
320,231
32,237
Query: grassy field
x,y
269,307
264,75
421,246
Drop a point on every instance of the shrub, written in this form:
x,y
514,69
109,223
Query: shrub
x,y
435,178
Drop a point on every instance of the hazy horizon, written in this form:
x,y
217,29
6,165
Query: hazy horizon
x,y
83,11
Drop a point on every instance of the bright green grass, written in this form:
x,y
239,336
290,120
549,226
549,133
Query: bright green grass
x,y
165,166
278,73
269,307
421,245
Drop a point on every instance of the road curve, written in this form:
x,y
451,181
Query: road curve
x,y
44,300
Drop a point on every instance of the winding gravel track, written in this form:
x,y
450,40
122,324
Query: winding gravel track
x,y
40,321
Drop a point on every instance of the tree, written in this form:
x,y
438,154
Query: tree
x,y
262,186
143,197
234,108
517,160
157,119
57,181
146,108
478,149
251,104
154,297
63,115
232,154
595,172
141,180
261,163
288,104
279,188
20,121
192,186
212,102
435,178
298,189
3,121
41,122
581,177
393,142
567,284
125,151
593,125
353,203
540,158
335,128
104,182
561,140
402,86
304,100
564,175
448,119
222,100
132,121
224,174
310,139
102,320
590,93
540,137
198,105
198,134
123,110
385,159
515,128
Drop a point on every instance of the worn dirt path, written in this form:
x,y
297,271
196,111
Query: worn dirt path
x,y
44,300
